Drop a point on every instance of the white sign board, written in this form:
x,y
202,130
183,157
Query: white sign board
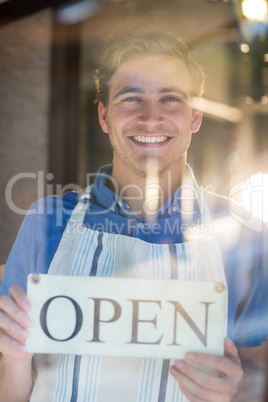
x,y
125,317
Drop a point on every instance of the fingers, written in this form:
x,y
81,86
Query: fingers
x,y
196,393
10,308
199,385
206,397
14,322
11,348
224,364
12,328
20,297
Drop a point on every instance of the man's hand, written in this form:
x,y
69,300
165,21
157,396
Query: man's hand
x,y
14,322
199,386
16,375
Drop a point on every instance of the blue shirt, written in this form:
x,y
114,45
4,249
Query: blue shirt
x,y
244,250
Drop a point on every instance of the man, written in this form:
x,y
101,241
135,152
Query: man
x,y
145,86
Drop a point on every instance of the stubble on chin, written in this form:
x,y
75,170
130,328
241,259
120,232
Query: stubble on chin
x,y
142,173
138,172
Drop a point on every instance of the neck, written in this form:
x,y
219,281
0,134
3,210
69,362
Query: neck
x,y
147,194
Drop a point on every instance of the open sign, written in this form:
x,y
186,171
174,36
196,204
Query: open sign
x,y
125,317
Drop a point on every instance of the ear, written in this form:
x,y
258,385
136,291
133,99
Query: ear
x,y
102,111
196,121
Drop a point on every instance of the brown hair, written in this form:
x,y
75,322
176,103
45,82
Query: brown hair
x,y
143,44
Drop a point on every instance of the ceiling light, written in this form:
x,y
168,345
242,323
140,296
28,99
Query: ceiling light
x,y
72,13
244,48
249,100
254,9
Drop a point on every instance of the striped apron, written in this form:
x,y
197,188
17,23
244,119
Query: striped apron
x,y
86,252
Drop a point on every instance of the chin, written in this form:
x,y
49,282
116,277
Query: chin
x,y
141,172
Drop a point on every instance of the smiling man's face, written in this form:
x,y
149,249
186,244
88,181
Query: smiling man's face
x,y
149,116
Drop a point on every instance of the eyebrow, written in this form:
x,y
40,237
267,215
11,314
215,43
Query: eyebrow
x,y
173,89
126,90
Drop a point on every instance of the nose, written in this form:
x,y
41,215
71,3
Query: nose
x,y
151,115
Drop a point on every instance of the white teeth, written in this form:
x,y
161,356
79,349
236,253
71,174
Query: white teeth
x,y
150,140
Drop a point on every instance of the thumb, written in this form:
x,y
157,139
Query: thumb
x,y
230,350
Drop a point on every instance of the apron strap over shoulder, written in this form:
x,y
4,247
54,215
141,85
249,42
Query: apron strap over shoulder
x,y
81,208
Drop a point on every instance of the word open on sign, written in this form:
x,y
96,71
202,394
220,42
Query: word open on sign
x,y
125,317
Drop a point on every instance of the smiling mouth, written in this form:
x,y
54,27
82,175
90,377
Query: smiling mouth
x,y
150,139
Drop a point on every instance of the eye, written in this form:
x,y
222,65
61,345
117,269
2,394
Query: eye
x,y
130,99
171,99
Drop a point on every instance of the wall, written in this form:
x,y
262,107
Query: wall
x,y
24,105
